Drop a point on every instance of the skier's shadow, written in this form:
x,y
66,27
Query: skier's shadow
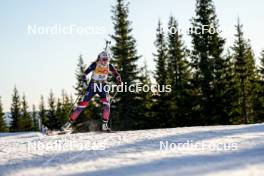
x,y
141,146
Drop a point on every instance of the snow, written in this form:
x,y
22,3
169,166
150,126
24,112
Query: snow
x,y
214,150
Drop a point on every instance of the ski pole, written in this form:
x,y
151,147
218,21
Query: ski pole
x,y
110,101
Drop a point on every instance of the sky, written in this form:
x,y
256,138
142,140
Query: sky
x,y
37,62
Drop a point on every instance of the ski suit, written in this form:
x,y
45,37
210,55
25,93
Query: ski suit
x,y
99,77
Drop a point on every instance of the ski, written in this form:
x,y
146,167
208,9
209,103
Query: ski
x,y
53,133
107,131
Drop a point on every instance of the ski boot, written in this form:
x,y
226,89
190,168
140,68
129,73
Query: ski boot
x,y
66,127
105,127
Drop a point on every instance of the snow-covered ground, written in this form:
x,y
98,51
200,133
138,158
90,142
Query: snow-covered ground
x,y
214,150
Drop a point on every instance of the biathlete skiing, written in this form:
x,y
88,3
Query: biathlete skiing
x,y
100,69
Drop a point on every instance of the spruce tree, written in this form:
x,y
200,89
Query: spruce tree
x,y
59,114
27,123
226,83
145,103
51,112
160,57
16,123
245,77
34,116
66,107
79,87
259,94
160,106
42,113
3,127
179,76
125,58
207,61
261,68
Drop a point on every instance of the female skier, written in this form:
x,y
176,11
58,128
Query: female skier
x,y
100,69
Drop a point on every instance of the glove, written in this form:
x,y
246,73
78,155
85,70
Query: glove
x,y
84,84
118,80
84,81
84,78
